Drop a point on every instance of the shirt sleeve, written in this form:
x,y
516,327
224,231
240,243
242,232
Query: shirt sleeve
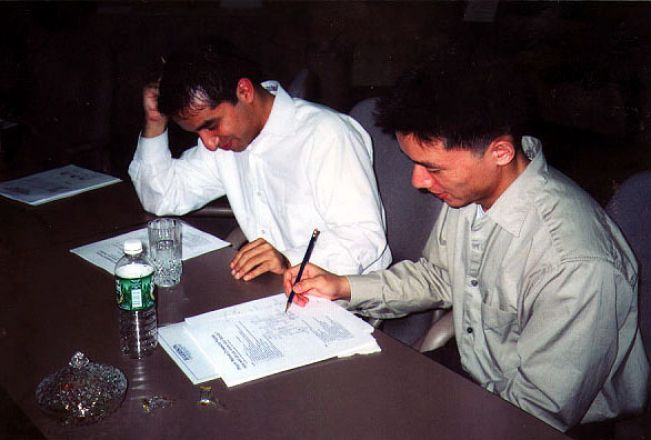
x,y
340,174
568,342
406,287
168,186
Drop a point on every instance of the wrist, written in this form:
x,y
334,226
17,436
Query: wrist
x,y
153,128
344,288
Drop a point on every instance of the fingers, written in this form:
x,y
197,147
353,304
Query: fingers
x,y
315,282
288,279
155,121
244,250
300,300
289,276
150,95
256,258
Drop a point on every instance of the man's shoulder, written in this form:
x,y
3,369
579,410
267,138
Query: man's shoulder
x,y
318,117
577,226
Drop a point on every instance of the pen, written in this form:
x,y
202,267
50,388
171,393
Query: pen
x,y
306,258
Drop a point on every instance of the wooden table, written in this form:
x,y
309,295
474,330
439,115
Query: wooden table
x,y
54,304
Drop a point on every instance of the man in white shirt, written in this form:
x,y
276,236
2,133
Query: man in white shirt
x,y
287,166
542,285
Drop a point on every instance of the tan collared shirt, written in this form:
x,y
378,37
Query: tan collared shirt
x,y
543,289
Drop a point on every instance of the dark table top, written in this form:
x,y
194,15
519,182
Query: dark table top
x,y
54,304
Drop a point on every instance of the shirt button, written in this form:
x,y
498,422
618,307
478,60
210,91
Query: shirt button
x,y
262,231
474,283
469,330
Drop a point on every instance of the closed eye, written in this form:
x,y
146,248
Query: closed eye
x,y
210,125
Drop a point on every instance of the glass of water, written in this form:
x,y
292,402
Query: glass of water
x,y
165,236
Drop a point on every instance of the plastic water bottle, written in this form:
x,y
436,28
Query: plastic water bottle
x,y
134,287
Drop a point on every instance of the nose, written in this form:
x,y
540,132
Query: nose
x,y
420,178
210,141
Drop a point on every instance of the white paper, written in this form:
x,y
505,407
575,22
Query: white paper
x,y
180,346
107,252
54,184
258,339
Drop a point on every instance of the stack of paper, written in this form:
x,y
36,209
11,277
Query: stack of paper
x,y
257,339
54,184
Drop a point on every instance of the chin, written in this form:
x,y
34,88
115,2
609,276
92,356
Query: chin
x,y
456,203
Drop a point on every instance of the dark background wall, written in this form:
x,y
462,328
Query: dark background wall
x,y
71,73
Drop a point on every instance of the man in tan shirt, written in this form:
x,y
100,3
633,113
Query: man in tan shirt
x,y
542,285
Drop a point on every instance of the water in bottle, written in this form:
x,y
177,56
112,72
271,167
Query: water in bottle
x,y
137,304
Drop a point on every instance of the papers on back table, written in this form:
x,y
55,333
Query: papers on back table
x,y
54,184
257,339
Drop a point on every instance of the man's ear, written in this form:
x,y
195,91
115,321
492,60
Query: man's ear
x,y
502,150
245,90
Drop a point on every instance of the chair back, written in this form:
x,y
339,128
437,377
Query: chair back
x,y
303,85
630,208
410,214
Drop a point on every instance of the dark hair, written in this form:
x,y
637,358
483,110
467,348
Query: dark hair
x,y
463,104
203,74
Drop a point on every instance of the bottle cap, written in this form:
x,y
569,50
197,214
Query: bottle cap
x,y
132,247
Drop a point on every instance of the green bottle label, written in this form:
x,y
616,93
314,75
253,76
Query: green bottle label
x,y
135,293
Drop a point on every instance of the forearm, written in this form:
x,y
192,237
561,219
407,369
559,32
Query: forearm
x,y
168,186
404,288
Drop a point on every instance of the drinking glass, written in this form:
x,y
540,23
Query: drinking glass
x,y
165,236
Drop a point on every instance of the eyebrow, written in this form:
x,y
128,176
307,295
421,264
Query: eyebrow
x,y
423,164
206,124
428,164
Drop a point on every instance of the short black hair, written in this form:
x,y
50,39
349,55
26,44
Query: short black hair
x,y
465,103
205,73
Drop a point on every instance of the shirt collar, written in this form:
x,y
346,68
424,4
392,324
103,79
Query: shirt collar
x,y
511,208
282,111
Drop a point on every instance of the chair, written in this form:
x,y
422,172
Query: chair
x,y
630,208
303,85
410,216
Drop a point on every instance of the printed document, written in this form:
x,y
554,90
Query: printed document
x,y
54,184
107,252
257,339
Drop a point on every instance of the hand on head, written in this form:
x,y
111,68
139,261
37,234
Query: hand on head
x,y
155,121
316,282
256,258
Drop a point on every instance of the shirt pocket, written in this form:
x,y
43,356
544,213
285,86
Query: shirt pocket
x,y
499,323
501,333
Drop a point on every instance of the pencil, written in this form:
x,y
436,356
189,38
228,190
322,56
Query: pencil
x,y
306,258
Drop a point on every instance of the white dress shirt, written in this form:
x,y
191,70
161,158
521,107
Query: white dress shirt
x,y
543,289
310,167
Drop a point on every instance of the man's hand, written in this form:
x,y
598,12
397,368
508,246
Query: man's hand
x,y
256,258
315,281
155,121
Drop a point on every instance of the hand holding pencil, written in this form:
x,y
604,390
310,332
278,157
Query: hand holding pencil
x,y
313,281
306,258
